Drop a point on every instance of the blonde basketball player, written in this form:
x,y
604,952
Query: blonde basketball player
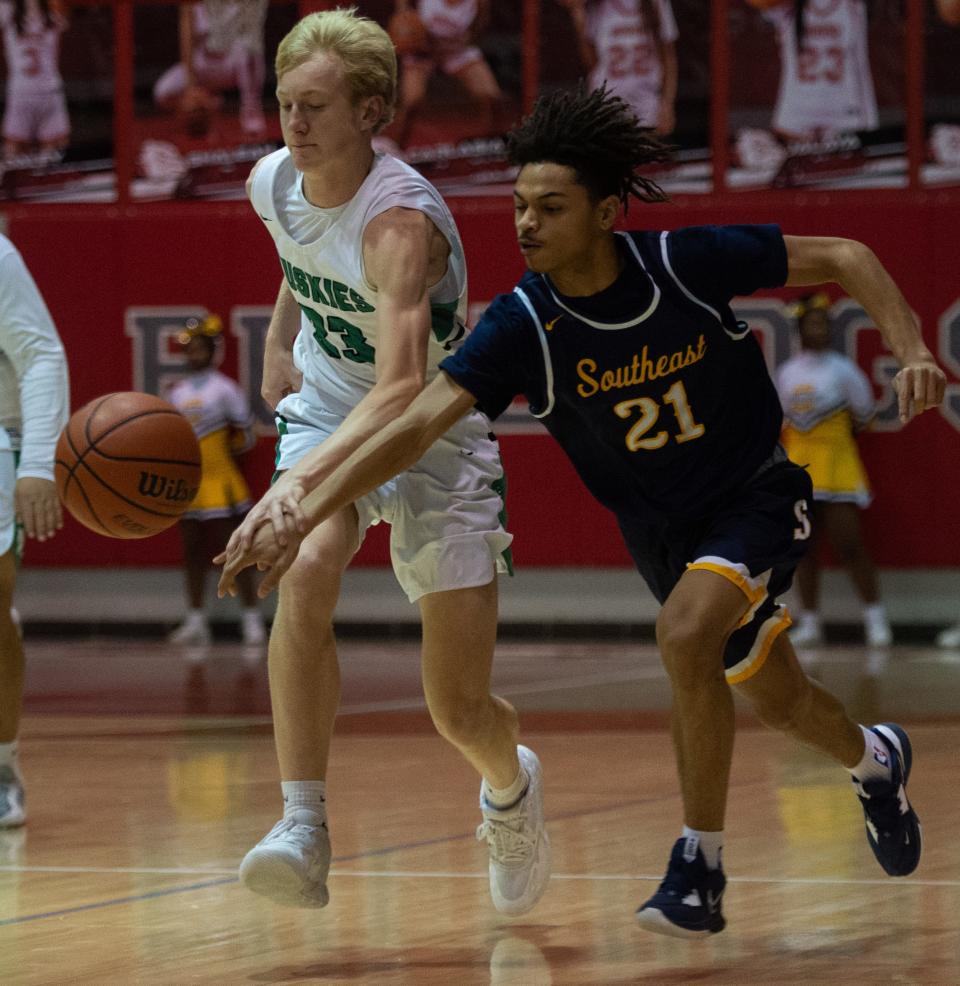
x,y
372,298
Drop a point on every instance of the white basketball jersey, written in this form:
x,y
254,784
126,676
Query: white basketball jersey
x,y
336,346
447,18
628,58
826,87
31,56
814,386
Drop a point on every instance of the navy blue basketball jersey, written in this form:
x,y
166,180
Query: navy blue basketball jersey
x,y
661,400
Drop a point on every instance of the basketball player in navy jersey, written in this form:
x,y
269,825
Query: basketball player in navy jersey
x,y
626,348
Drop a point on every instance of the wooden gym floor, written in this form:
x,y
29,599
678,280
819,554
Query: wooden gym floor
x,y
150,772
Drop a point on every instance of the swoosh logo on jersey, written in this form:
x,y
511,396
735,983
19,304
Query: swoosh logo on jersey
x,y
552,323
266,219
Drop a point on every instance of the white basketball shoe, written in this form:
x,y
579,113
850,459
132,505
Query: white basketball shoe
x,y
290,863
13,802
518,843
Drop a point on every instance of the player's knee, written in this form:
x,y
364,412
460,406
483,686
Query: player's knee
x,y
691,649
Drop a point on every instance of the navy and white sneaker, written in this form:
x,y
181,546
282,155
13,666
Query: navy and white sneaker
x,y
687,903
893,828
13,802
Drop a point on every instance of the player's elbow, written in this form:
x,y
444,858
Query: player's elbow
x,y
846,258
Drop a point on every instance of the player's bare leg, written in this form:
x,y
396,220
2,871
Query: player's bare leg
x,y
12,806
459,636
692,630
290,863
786,699
879,758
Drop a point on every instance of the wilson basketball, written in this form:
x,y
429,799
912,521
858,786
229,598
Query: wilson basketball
x,y
127,465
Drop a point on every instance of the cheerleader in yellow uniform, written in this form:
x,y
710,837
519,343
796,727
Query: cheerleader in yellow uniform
x,y
220,414
827,399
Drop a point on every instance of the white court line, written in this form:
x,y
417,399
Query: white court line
x,y
450,875
533,687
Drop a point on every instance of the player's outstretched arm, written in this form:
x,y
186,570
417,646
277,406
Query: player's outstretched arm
x,y
854,266
393,449
280,375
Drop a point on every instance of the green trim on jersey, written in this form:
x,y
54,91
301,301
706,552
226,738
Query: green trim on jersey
x,y
499,486
19,541
282,429
446,327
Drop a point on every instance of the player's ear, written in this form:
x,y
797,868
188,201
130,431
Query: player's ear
x,y
607,210
372,111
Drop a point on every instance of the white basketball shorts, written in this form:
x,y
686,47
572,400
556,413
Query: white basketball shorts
x,y
446,512
8,479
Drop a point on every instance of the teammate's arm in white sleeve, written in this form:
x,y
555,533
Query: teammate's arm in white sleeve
x,y
30,341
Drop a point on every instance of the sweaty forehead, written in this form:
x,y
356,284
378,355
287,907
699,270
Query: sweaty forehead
x,y
546,178
322,73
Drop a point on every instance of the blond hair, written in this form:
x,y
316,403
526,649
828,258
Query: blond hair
x,y
363,46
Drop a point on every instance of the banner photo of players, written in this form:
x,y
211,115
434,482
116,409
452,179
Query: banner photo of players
x,y
942,94
204,104
470,68
58,82
837,116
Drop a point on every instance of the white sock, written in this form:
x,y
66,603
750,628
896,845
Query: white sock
x,y
808,618
875,613
875,763
305,794
194,617
709,843
506,797
8,754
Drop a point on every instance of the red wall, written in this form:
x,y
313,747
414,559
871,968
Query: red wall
x,y
92,264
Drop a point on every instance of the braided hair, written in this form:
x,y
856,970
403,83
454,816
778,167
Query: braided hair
x,y
596,134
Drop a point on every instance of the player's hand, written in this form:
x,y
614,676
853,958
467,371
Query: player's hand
x,y
266,553
37,507
280,376
280,508
919,386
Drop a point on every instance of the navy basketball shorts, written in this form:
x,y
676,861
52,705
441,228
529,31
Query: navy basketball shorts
x,y
755,538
